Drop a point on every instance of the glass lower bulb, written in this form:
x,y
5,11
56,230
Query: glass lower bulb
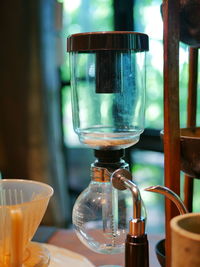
x,y
101,217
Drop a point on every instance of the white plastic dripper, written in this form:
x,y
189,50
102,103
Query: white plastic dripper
x,y
22,207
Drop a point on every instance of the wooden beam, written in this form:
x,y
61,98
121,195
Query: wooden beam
x,y
191,117
171,110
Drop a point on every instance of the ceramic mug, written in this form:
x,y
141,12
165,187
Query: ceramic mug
x,y
185,231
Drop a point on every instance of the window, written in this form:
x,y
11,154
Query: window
x,y
99,18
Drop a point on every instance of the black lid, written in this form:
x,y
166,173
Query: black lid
x,y
109,155
112,40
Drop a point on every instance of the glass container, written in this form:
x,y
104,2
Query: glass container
x,y
102,213
108,87
101,217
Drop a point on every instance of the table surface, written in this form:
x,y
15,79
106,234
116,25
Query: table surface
x,y
68,239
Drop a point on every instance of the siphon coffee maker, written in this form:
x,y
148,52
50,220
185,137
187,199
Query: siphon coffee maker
x,y
108,103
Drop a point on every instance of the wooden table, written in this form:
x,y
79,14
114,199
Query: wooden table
x,y
68,239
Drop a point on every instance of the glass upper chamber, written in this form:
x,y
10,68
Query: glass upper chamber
x,y
108,87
